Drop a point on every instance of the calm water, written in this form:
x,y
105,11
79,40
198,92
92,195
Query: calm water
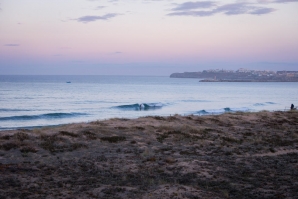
x,y
28,101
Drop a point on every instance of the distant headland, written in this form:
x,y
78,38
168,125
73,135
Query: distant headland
x,y
240,75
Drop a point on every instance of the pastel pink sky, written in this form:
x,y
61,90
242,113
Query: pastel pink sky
x,y
146,37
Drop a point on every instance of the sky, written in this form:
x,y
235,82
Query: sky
x,y
146,37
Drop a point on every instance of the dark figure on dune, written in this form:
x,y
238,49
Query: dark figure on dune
x,y
292,107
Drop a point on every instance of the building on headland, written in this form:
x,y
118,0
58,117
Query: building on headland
x,y
241,74
243,70
288,73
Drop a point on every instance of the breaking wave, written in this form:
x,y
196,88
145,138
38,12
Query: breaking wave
x,y
139,107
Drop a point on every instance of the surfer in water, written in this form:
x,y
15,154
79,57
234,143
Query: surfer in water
x,y
142,106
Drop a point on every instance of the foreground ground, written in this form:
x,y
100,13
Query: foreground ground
x,y
235,155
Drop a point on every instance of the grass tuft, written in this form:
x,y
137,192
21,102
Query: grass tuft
x,y
9,145
70,134
90,135
113,139
22,136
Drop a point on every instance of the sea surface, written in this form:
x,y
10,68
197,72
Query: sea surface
x,y
35,101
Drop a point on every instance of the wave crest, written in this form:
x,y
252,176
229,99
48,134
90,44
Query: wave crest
x,y
142,106
42,116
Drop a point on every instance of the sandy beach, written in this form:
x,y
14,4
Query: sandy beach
x,y
233,155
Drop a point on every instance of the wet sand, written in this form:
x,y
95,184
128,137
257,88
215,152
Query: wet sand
x,y
234,155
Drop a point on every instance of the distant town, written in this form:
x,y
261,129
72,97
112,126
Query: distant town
x,y
240,75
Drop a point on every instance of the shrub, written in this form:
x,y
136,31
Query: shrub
x,y
27,149
22,136
68,134
90,135
5,137
113,139
9,145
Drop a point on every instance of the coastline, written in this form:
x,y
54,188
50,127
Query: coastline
x,y
244,80
233,155
241,75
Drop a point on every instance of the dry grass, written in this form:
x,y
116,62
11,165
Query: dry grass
x,y
234,155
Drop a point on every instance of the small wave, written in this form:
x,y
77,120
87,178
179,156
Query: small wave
x,y
202,112
227,109
143,106
264,104
259,104
220,111
270,102
42,116
12,110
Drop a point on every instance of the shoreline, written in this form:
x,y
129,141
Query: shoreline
x,y
232,155
199,114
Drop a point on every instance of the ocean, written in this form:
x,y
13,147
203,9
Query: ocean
x,y
37,101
